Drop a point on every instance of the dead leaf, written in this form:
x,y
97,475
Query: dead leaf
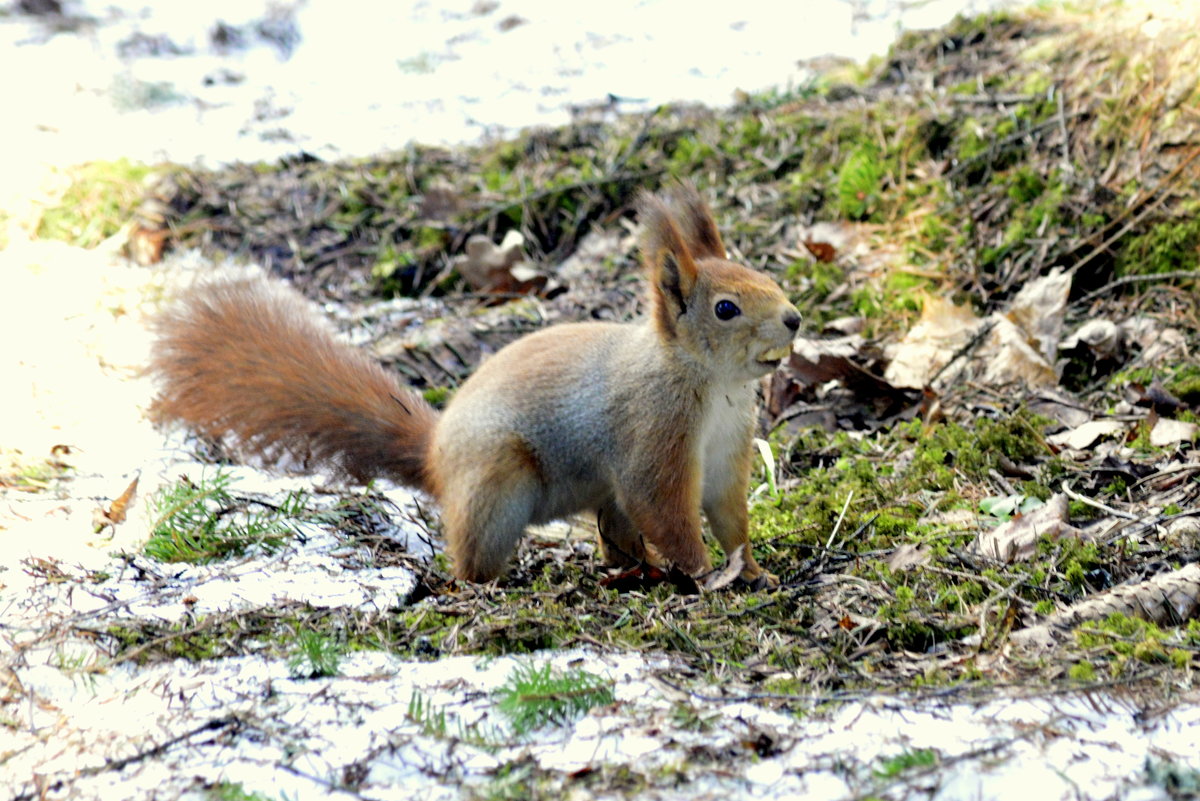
x,y
146,245
1061,408
931,343
816,361
1168,432
1157,343
1184,528
1037,310
1017,348
724,576
822,251
1017,539
1103,337
639,577
115,514
908,556
846,326
1085,436
1155,396
1008,358
503,268
838,236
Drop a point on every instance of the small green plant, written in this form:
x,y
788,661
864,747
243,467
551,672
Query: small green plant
x,y
434,722
202,522
437,396
233,791
431,719
891,767
686,716
1003,507
29,474
534,697
315,654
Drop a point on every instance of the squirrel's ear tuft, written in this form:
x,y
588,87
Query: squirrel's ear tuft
x,y
695,221
669,264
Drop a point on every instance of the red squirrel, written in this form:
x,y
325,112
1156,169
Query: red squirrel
x,y
645,423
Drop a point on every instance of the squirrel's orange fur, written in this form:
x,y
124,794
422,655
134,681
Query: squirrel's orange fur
x,y
647,424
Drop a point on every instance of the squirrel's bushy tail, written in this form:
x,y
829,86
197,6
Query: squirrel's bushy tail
x,y
251,359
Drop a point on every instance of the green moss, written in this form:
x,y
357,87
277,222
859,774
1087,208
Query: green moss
x,y
437,396
905,291
1181,380
1025,185
100,199
1168,246
867,301
30,475
1129,639
1082,672
194,641
860,182
1185,384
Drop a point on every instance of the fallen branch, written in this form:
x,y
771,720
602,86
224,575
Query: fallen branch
x,y
1167,599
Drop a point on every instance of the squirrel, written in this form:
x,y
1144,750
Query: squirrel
x,y
645,423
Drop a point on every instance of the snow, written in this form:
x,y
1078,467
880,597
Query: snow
x,y
367,77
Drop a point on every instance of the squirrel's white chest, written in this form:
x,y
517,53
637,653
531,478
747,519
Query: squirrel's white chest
x,y
725,434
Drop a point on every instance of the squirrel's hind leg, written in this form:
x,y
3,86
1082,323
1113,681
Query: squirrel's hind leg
x,y
485,509
621,544
670,523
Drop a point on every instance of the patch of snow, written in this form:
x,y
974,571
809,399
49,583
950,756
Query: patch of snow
x,y
269,732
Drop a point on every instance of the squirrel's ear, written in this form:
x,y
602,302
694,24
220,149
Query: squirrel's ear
x,y
695,221
669,264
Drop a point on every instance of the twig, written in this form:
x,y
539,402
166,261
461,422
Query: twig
x,y
120,764
1166,471
1177,275
1070,493
841,517
1062,127
1145,523
994,100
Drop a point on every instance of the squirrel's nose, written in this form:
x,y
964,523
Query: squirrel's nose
x,y
792,321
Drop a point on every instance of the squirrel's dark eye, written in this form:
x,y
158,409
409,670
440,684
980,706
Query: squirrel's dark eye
x,y
726,310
